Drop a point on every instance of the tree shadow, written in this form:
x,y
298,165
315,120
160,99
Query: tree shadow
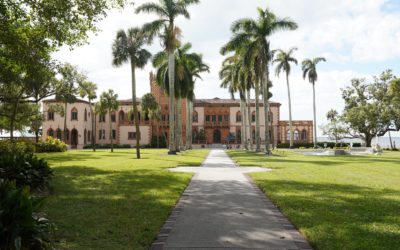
x,y
336,216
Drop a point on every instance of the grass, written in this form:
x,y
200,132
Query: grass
x,y
337,202
106,200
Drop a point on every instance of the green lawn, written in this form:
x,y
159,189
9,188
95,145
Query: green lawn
x,y
109,200
342,202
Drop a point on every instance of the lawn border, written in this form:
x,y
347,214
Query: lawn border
x,y
299,239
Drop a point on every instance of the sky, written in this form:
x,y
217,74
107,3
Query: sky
x,y
359,39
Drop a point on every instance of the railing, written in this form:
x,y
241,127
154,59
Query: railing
x,y
216,124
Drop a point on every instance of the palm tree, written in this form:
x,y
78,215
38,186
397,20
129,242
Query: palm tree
x,y
128,47
309,67
252,35
188,68
109,102
283,59
88,89
150,107
168,11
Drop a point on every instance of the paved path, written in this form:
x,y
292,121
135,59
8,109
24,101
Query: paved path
x,y
223,209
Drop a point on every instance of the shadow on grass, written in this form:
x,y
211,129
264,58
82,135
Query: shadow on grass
x,y
99,209
335,216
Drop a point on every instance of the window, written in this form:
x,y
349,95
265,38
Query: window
x,y
238,117
296,135
304,135
100,131
220,118
67,133
58,134
74,114
85,115
102,134
89,136
121,116
113,117
132,136
50,115
214,118
253,116
195,117
207,118
114,134
226,118
102,118
50,132
288,135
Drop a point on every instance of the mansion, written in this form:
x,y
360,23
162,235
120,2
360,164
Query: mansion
x,y
215,121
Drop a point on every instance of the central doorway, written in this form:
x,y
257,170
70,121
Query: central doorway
x,y
217,136
74,138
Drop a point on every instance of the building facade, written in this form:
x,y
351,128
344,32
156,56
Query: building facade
x,y
215,121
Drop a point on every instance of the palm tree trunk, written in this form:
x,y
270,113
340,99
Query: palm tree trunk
x,y
171,78
315,117
180,129
249,120
93,126
290,112
188,117
135,110
111,135
243,122
257,93
177,135
266,110
65,121
191,125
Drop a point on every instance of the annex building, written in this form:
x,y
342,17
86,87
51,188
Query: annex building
x,y
215,121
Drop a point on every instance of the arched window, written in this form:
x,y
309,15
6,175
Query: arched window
x,y
304,135
85,115
195,116
89,136
113,116
50,132
84,137
121,116
238,116
253,116
58,134
195,135
50,115
102,118
74,114
296,135
67,134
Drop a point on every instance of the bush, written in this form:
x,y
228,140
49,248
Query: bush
x,y
161,141
18,163
51,145
107,146
21,224
331,145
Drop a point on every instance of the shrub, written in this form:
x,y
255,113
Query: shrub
x,y
18,163
51,145
331,145
107,146
21,224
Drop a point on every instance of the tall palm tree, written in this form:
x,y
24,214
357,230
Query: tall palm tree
x,y
109,102
283,60
168,11
188,67
150,107
252,35
309,67
128,47
88,89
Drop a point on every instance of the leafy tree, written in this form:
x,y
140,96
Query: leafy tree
x,y
109,102
168,11
88,89
128,47
366,110
253,35
394,93
336,130
309,67
67,89
283,60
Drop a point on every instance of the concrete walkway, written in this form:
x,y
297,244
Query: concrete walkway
x,y
223,209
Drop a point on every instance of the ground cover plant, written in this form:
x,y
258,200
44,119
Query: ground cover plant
x,y
337,202
104,200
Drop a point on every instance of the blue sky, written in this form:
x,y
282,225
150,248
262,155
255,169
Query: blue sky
x,y
359,38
